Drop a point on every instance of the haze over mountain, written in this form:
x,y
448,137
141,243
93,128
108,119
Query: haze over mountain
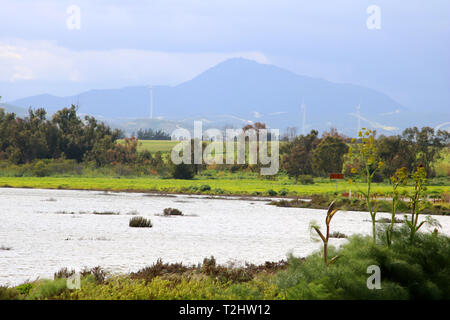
x,y
239,91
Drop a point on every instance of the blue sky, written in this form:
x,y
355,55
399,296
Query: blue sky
x,y
133,42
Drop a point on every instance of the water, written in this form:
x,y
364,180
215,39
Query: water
x,y
43,240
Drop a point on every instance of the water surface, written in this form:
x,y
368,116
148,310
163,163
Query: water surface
x,y
50,229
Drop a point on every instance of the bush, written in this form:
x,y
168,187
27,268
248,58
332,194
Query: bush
x,y
8,293
182,171
172,212
271,192
98,274
408,271
306,179
48,289
219,191
64,273
205,187
40,169
140,222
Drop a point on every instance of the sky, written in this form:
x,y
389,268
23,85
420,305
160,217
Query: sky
x,y
166,42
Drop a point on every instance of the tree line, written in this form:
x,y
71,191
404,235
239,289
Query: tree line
x,y
85,140
311,155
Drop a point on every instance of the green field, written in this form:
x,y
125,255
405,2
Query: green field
x,y
164,146
154,146
217,186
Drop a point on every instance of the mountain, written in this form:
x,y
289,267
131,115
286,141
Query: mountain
x,y
13,109
238,91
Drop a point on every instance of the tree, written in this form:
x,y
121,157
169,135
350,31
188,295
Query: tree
x,y
425,145
33,137
150,134
394,153
328,157
298,155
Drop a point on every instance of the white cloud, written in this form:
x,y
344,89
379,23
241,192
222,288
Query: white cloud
x,y
46,61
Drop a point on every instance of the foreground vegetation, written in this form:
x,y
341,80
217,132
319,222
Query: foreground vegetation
x,y
418,270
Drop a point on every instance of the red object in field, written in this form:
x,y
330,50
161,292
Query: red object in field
x,y
336,176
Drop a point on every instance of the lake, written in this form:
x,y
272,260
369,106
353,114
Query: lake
x,y
50,229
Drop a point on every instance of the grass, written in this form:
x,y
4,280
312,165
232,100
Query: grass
x,y
154,146
165,146
226,185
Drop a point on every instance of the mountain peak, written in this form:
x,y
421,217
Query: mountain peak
x,y
242,88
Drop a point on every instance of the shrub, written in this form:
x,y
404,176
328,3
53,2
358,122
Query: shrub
x,y
8,293
64,273
219,191
418,271
271,192
172,212
40,169
106,213
48,289
158,269
24,288
182,171
205,187
306,179
338,235
140,222
97,273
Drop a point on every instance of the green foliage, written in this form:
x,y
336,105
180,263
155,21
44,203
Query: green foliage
x,y
65,135
298,155
366,154
182,171
48,289
407,272
425,145
329,155
205,187
25,288
306,179
150,134
9,293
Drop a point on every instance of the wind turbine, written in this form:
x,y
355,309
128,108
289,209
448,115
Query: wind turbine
x,y
303,111
151,102
358,115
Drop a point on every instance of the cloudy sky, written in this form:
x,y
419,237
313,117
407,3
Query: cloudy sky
x,y
137,42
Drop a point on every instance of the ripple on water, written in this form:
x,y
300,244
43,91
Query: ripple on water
x,y
230,229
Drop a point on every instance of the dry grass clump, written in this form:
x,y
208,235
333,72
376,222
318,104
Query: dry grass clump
x,y
140,222
172,212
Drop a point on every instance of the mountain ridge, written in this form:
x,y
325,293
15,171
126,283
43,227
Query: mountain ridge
x,y
240,88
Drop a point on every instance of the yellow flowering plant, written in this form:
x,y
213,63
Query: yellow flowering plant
x,y
366,153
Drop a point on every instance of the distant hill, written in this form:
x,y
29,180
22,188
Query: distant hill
x,y
13,109
238,91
